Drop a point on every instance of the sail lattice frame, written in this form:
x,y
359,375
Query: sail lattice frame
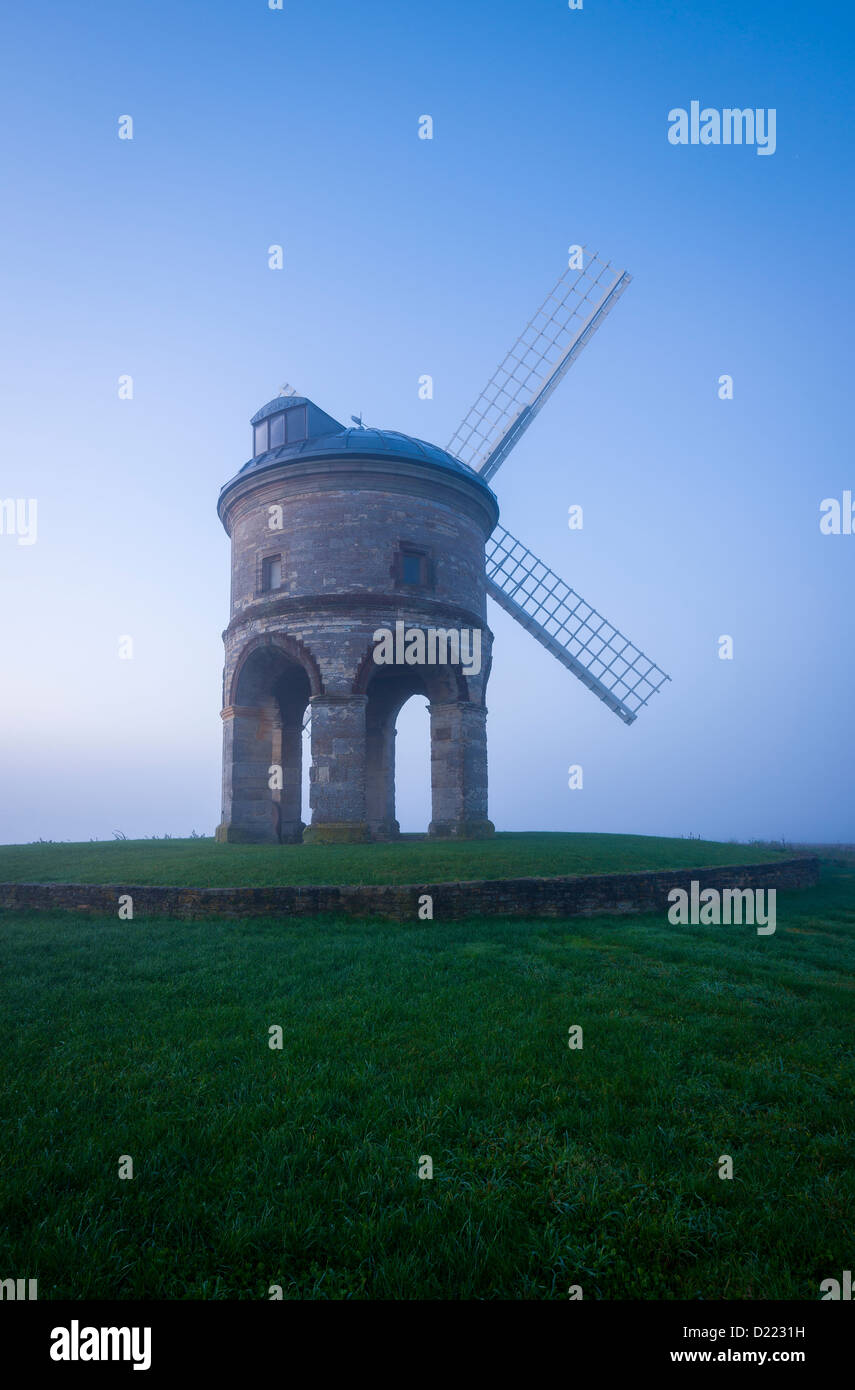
x,y
537,362
571,629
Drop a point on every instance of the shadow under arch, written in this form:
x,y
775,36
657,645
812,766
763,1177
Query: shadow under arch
x,y
272,652
270,691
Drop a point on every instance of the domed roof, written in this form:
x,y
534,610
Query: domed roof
x,y
320,441
360,441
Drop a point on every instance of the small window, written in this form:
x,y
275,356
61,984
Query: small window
x,y
277,430
296,423
260,438
413,569
271,573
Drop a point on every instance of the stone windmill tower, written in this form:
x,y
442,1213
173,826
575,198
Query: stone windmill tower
x,y
338,533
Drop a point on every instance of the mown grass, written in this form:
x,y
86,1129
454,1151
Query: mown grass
x,y
551,1167
203,863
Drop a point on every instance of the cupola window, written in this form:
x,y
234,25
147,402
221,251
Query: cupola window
x,y
286,427
296,424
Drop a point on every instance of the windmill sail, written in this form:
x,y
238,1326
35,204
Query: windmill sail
x,y
574,632
537,362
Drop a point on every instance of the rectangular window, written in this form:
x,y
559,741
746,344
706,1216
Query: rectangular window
x,y
296,423
411,569
260,439
271,573
277,431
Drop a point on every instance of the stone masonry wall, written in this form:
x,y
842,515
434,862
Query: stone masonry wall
x,y
576,895
342,523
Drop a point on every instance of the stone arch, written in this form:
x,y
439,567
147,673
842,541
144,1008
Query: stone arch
x,y
291,648
387,689
457,740
263,752
438,682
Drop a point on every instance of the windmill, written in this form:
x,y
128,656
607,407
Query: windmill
x,y
340,534
589,646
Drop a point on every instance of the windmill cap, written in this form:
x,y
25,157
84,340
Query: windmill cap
x,y
326,437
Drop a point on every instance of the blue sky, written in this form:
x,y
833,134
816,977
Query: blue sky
x,y
405,257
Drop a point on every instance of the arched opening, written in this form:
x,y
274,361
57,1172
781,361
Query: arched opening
x,y
269,698
413,809
389,689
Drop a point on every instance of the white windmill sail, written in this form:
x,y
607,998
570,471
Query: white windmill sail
x,y
539,359
574,632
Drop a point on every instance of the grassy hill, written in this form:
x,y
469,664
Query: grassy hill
x,y
552,1167
201,863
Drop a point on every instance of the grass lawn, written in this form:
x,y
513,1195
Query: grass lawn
x,y
204,863
552,1167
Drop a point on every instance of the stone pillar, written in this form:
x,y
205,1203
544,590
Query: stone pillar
x,y
250,814
337,775
380,776
291,796
458,761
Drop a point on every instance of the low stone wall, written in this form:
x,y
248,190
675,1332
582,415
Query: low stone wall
x,y
571,896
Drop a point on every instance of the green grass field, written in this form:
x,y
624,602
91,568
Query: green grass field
x,y
203,863
552,1167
